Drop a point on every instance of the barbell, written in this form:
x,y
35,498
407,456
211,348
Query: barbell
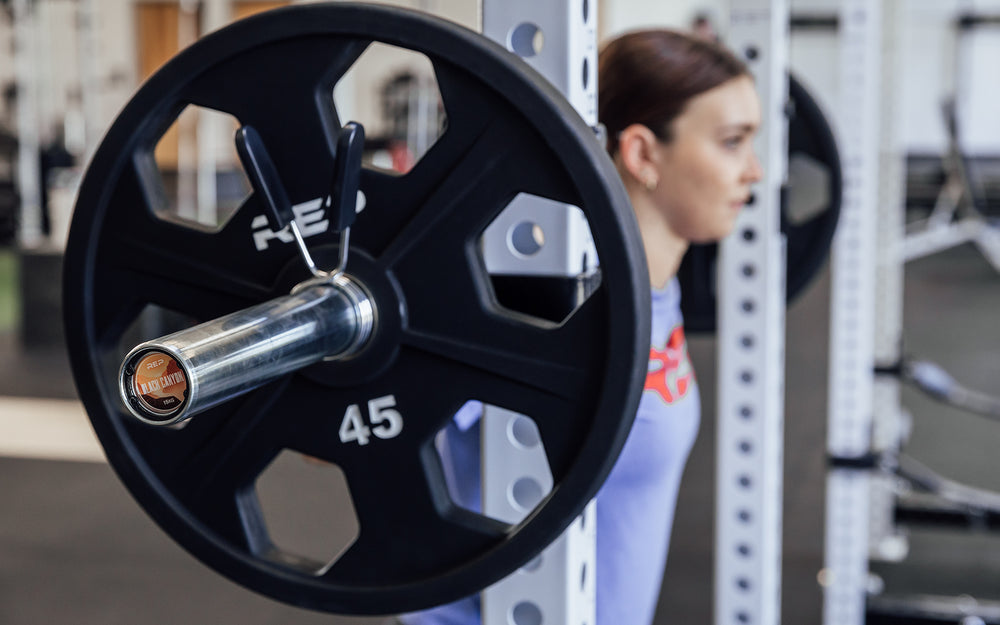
x,y
438,337
283,356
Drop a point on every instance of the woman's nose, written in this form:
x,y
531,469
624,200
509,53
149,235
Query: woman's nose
x,y
754,172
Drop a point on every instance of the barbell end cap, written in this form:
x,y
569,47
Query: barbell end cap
x,y
155,387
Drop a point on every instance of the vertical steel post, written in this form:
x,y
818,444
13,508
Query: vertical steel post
x,y
212,132
44,13
852,318
558,38
751,298
90,80
890,421
28,167
187,124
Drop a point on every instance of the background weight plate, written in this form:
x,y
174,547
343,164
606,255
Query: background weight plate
x,y
810,209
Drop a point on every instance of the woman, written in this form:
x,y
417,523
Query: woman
x,y
681,114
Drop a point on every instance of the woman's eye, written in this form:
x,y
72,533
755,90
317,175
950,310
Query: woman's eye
x,y
731,143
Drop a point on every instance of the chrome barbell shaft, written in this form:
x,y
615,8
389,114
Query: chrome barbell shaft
x,y
170,379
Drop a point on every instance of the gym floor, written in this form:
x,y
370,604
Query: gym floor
x,y
75,548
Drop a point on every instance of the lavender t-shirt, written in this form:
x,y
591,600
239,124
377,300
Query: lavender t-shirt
x,y
635,506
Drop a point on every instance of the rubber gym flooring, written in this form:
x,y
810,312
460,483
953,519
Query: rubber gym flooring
x,y
74,547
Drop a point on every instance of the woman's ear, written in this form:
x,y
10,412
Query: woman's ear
x,y
637,153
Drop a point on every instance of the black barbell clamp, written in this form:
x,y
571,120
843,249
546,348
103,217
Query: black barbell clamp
x,y
266,183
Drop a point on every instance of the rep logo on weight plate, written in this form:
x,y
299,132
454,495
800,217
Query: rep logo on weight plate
x,y
309,216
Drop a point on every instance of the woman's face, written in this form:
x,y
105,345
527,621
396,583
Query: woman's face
x,y
707,167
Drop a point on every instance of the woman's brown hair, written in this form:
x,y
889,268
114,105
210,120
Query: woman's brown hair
x,y
647,77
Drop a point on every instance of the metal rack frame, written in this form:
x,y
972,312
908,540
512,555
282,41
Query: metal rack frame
x,y
751,296
850,507
559,585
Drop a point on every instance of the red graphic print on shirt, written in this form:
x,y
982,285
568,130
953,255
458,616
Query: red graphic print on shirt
x,y
670,374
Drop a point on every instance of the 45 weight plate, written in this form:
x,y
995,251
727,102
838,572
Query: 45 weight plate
x,y
441,338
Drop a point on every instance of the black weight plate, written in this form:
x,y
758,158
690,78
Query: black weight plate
x,y
810,210
441,338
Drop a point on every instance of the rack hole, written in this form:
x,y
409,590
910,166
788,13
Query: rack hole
x,y
526,238
526,613
526,493
523,432
526,40
533,565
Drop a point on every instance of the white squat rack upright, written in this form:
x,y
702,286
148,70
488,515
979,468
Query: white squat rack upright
x,y
866,418
559,39
751,346
25,20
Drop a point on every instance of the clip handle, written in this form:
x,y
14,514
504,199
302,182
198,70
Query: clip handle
x,y
264,177
346,175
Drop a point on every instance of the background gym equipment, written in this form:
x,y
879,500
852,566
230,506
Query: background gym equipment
x,y
932,499
936,382
439,335
809,213
959,213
